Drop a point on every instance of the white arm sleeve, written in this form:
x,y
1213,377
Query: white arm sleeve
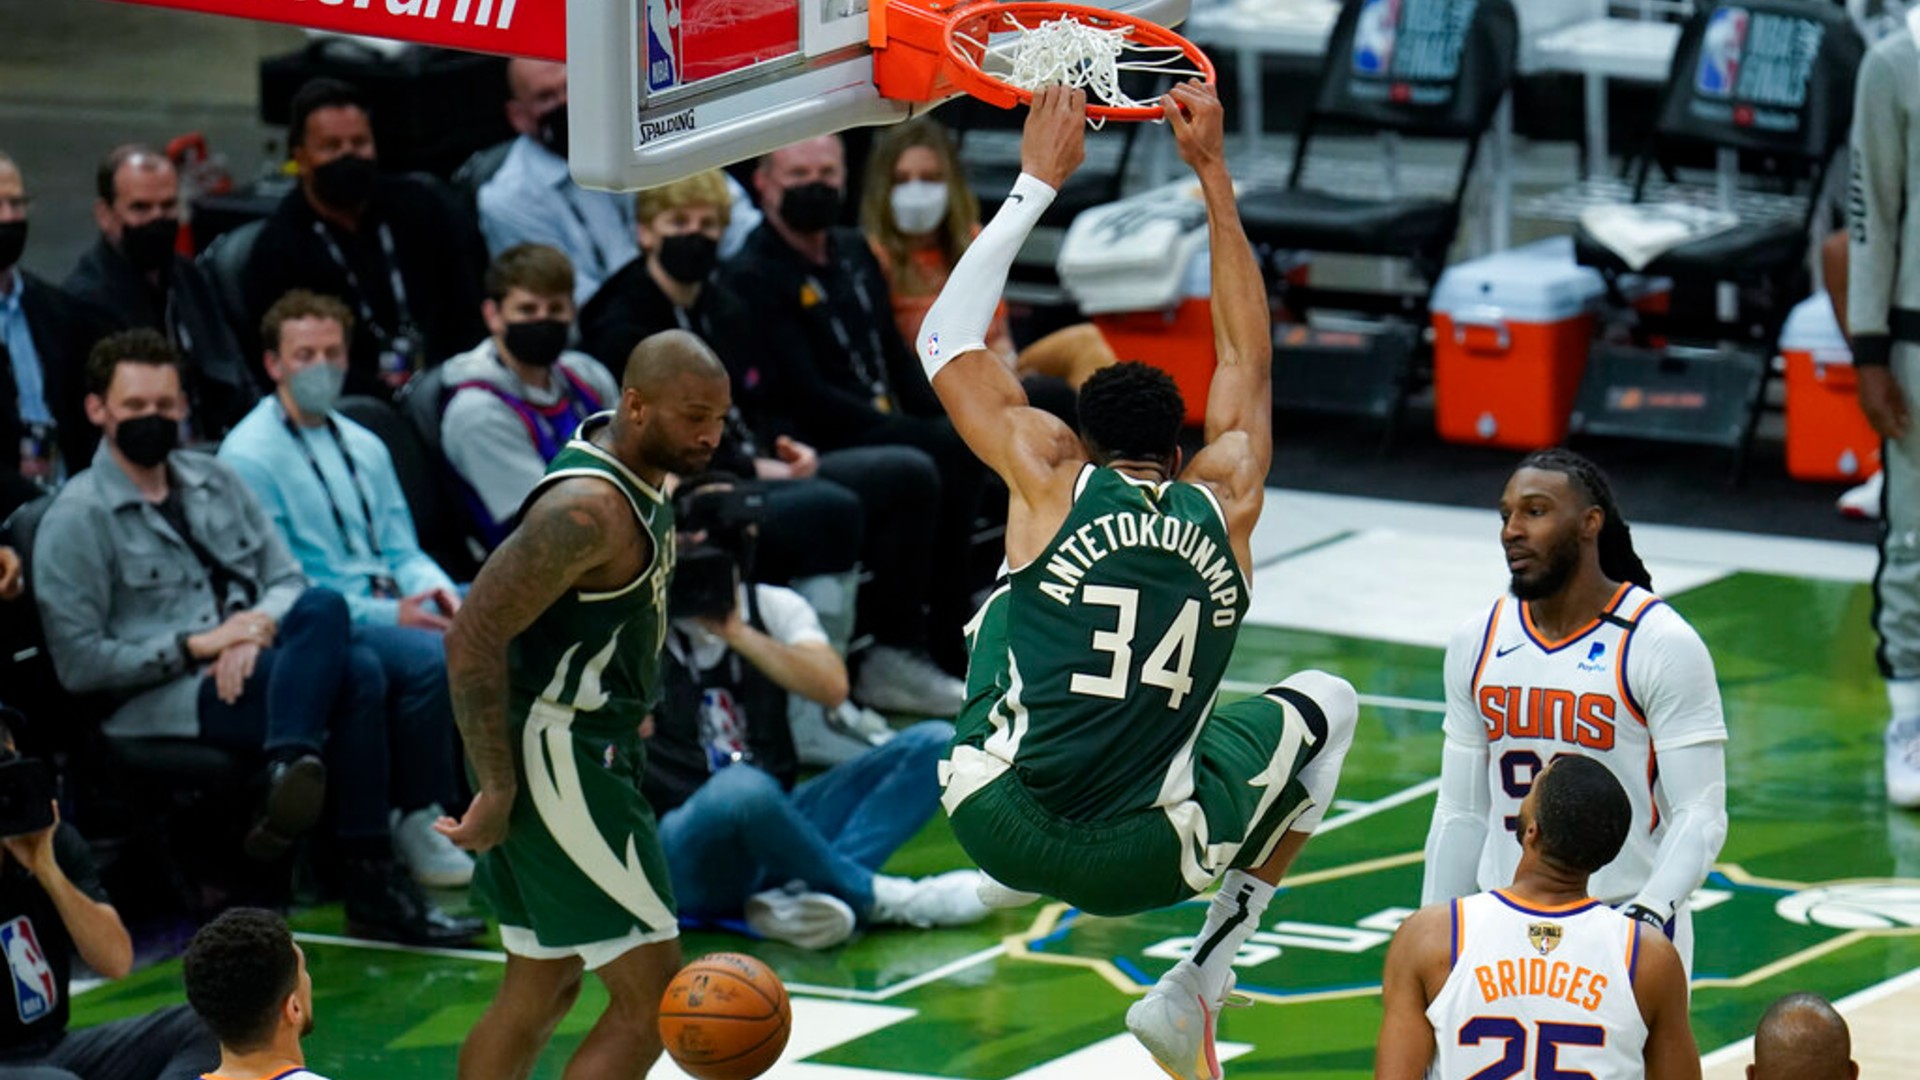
x,y
1696,779
1671,672
961,317
1459,829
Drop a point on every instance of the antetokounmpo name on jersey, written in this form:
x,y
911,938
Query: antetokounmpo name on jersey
x,y
1077,553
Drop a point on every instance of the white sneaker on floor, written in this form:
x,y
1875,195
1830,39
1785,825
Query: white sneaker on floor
x,y
949,899
432,858
897,681
823,738
1863,501
998,896
809,920
1903,762
1176,1022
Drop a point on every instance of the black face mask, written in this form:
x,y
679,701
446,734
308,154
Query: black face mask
x,y
147,440
551,131
149,247
13,240
538,343
810,208
346,182
689,257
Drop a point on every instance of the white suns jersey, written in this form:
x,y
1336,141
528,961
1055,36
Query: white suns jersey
x,y
1539,992
1635,679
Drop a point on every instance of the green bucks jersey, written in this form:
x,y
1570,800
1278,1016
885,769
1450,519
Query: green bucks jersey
x,y
1117,637
598,654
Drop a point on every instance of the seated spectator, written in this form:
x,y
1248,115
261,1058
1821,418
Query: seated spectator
x,y
161,582
249,981
136,276
721,769
533,199
329,486
877,503
391,247
919,216
54,908
843,374
513,400
12,584
1801,1037
44,337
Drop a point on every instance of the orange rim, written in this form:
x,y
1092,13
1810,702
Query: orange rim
x,y
981,21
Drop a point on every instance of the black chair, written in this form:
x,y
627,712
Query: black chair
x,y
438,520
1785,119
1435,86
225,263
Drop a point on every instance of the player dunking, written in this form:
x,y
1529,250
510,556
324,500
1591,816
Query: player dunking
x,y
1539,979
1090,763
554,661
1581,658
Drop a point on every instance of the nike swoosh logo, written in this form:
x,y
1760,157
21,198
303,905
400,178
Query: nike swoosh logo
x,y
1498,653
1016,197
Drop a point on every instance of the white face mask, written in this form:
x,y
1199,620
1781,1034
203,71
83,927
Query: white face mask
x,y
919,206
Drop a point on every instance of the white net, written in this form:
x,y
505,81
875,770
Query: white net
x,y
1068,52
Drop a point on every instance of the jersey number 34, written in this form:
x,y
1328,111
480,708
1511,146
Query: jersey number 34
x,y
1167,666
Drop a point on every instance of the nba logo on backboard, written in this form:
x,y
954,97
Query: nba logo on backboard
x,y
663,44
1373,37
1721,49
34,991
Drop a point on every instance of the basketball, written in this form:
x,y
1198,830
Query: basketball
x,y
725,1017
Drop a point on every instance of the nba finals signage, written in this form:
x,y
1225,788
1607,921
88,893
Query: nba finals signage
x,y
531,28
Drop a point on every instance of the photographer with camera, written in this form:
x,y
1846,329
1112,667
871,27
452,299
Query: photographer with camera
x,y
52,907
721,763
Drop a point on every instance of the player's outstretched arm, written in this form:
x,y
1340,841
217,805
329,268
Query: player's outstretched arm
x,y
985,401
567,532
1419,949
1660,987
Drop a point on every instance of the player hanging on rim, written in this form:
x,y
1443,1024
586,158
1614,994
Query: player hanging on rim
x,y
1090,764
555,661
1581,658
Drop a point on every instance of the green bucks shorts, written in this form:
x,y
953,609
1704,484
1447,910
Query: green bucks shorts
x,y
1242,793
582,863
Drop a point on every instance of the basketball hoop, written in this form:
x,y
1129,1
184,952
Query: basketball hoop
x,y
926,50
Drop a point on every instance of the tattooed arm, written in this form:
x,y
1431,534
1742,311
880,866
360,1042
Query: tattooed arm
x,y
569,532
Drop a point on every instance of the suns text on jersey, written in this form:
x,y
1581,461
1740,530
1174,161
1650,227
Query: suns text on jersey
x,y
1078,551
1545,712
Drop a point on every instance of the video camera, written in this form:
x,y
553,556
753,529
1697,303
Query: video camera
x,y
707,575
26,796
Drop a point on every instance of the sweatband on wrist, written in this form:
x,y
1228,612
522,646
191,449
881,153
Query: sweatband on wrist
x,y
960,317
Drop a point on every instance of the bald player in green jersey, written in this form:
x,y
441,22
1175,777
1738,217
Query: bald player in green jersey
x,y
554,661
1090,763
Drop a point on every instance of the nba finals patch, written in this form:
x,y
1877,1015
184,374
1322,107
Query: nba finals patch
x,y
1545,936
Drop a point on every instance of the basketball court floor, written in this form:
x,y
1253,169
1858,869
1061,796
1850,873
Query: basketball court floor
x,y
1818,887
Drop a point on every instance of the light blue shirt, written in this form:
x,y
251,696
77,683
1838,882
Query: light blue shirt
x,y
27,377
533,200
339,555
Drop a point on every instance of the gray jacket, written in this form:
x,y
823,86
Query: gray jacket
x,y
118,589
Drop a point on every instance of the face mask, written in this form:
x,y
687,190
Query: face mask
x,y
13,239
538,343
551,131
346,182
919,206
147,440
689,257
316,388
149,247
810,208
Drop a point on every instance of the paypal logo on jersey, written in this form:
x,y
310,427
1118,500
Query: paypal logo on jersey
x,y
1599,649
1373,37
1595,653
34,990
1721,49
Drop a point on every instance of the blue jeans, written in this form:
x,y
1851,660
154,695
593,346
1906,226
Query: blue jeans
x,y
740,833
407,762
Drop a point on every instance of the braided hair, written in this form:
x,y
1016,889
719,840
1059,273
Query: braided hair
x,y
1618,560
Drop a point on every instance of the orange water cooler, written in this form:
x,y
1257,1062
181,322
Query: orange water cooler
x,y
1828,437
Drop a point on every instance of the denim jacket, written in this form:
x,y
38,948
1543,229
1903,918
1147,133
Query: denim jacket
x,y
118,590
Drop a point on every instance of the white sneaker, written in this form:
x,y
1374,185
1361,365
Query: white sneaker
x,y
809,920
897,681
823,738
1903,762
1863,501
1175,1022
997,896
432,858
949,899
